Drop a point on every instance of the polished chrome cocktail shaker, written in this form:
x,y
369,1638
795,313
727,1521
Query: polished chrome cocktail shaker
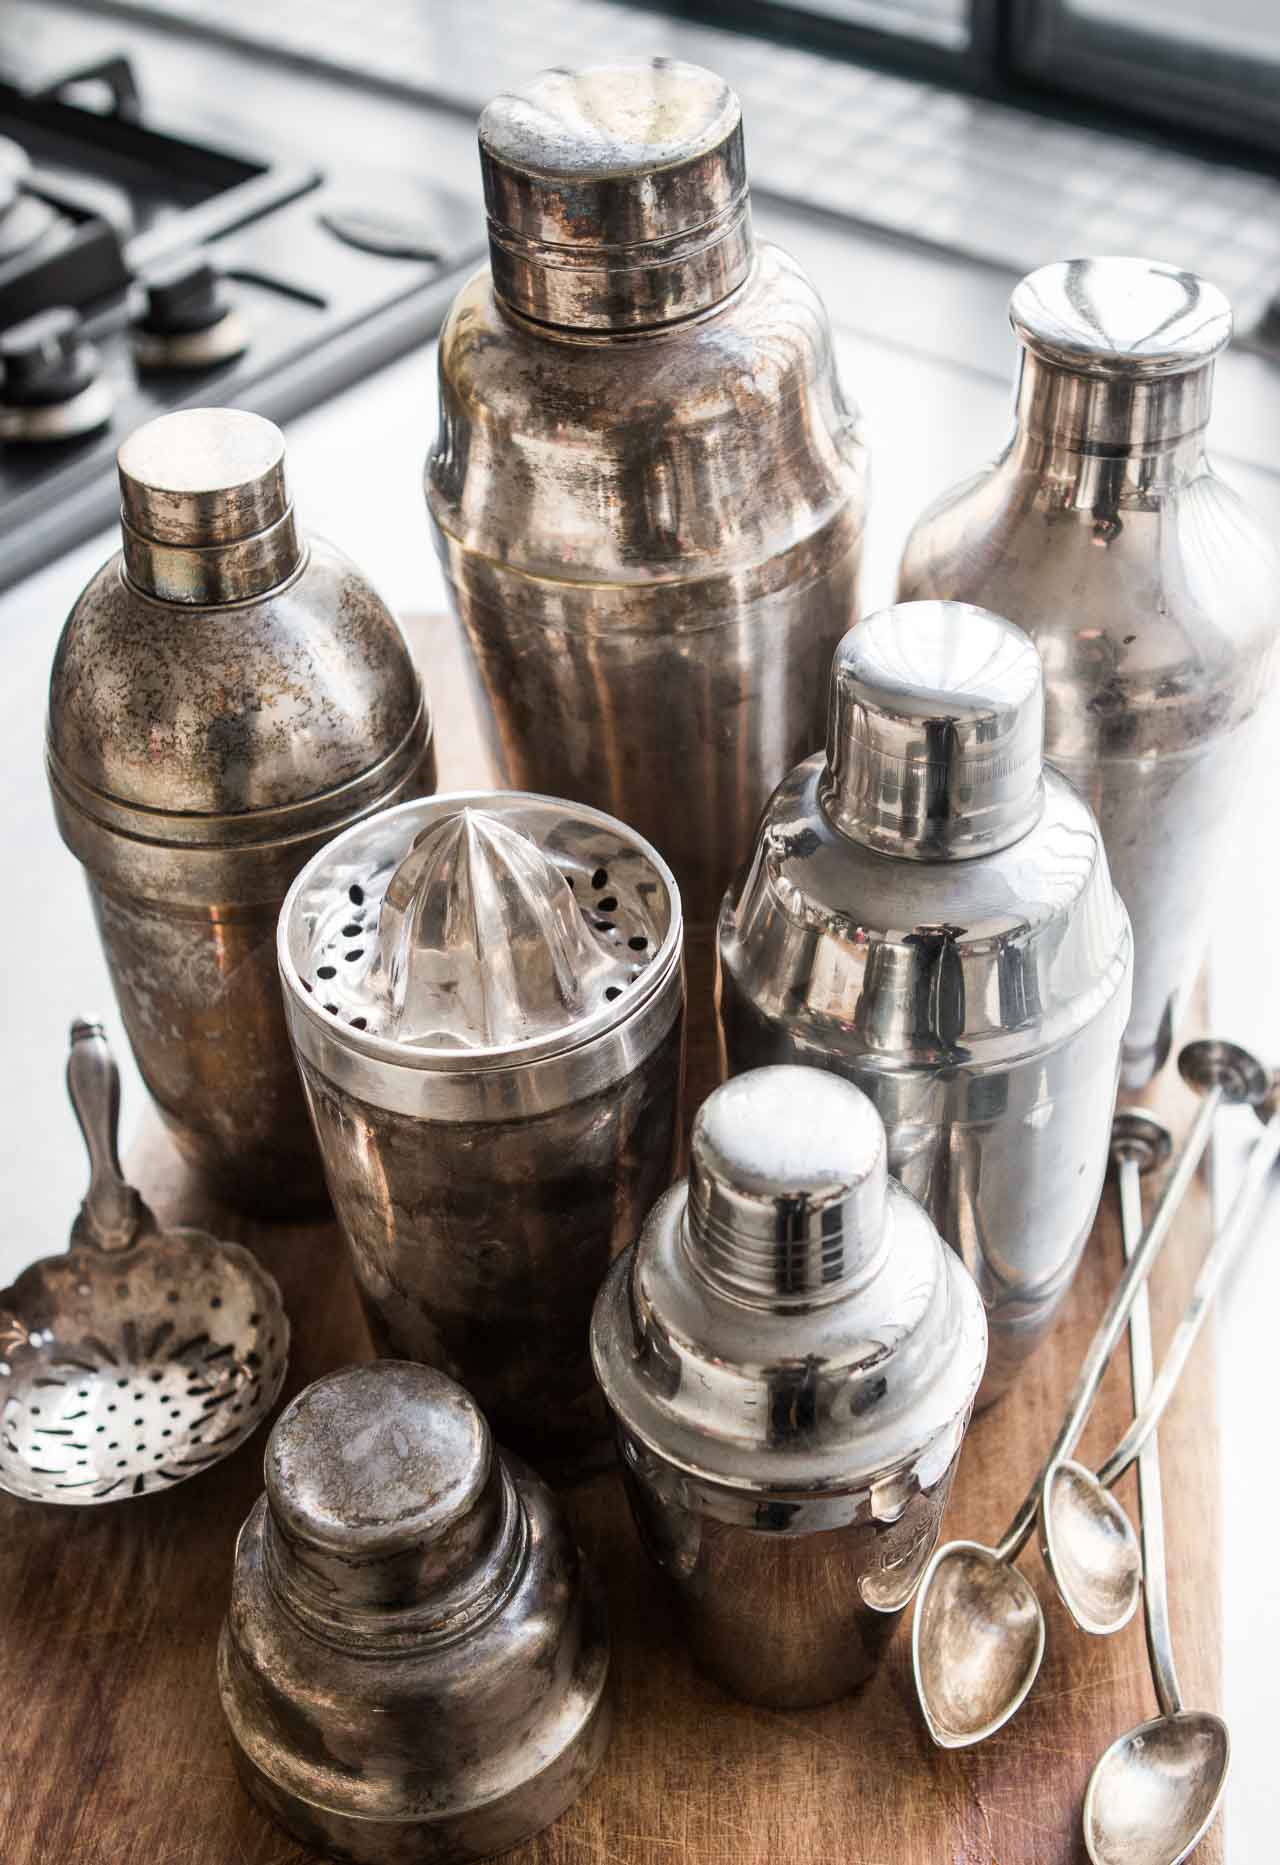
x,y
1153,597
414,1661
929,912
790,1354
647,490
226,696
486,996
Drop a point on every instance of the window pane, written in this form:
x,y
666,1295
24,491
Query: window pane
x,y
945,22
1251,27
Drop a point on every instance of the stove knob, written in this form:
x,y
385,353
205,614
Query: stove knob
x,y
190,320
50,388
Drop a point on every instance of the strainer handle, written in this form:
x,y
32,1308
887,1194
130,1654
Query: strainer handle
x,y
112,1212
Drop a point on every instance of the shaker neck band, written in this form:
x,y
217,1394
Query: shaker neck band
x,y
209,575
934,746
623,288
1092,413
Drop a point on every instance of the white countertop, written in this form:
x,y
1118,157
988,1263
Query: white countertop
x,y
356,473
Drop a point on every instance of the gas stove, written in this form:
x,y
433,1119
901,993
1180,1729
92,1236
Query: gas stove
x,y
146,266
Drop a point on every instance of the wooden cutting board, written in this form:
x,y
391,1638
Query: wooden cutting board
x,y
109,1616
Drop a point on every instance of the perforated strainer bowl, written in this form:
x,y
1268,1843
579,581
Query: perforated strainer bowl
x,y
140,1357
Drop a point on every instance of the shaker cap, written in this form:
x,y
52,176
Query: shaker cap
x,y
204,509
934,746
1120,318
787,1183
478,932
616,194
843,1350
383,1491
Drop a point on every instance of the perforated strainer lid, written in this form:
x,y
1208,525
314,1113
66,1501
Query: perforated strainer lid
x,y
480,931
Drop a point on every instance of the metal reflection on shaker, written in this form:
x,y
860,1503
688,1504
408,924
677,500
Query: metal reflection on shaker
x,y
1152,595
414,1662
647,490
791,1354
486,997
226,695
929,912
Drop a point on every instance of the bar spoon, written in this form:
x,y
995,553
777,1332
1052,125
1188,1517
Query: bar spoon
x,y
1087,1540
1154,1793
977,1639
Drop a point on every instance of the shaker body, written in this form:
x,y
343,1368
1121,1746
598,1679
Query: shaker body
x,y
1151,595
777,1608
478,1246
1009,1162
652,543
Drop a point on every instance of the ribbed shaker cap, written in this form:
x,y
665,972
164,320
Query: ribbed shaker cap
x,y
204,508
383,1490
934,746
787,1185
617,195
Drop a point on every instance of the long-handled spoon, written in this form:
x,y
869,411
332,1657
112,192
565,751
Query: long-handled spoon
x,y
978,1635
1154,1793
1087,1540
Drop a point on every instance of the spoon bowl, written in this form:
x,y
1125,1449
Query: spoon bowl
x,y
1091,1550
976,1643
1155,1792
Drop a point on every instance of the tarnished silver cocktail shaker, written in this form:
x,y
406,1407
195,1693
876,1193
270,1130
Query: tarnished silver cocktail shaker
x,y
647,490
1152,596
790,1353
929,912
414,1661
226,696
486,996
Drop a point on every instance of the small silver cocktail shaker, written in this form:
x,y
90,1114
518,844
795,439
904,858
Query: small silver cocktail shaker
x,y
1152,595
486,996
790,1353
929,912
647,490
414,1662
226,696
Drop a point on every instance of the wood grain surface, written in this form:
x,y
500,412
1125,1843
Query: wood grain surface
x,y
116,1751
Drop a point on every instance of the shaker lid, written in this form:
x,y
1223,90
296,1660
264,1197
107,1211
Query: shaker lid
x,y
204,509
790,1320
936,731
616,194
385,1495
786,1207
1120,318
478,931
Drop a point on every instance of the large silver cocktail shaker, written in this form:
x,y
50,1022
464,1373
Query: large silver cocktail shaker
x,y
413,1666
647,490
930,913
1152,596
226,696
486,996
791,1354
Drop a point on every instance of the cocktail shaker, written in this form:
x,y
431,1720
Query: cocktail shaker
x,y
929,912
1153,597
226,695
414,1662
486,997
790,1353
647,490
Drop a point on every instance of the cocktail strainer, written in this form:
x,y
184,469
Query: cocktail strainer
x,y
143,1355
